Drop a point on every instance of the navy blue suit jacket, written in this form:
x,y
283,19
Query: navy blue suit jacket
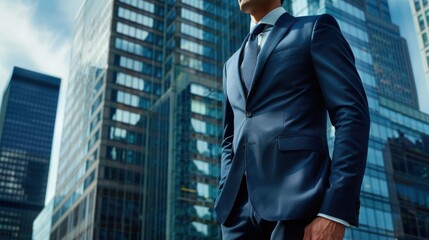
x,y
276,131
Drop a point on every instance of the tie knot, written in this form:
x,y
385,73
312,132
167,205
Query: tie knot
x,y
258,29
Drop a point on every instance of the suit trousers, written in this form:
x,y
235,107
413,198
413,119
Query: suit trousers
x,y
244,223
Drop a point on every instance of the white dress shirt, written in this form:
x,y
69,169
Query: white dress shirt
x,y
271,18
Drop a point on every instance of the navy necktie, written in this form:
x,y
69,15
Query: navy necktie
x,y
251,55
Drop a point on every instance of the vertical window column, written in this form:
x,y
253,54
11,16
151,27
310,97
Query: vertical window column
x,y
417,5
421,22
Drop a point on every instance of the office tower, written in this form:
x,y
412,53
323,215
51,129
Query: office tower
x,y
366,26
140,148
201,35
27,120
420,13
392,64
42,223
402,16
410,167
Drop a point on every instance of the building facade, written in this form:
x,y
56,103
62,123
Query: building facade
x,y
402,16
204,34
366,26
27,120
420,13
140,148
409,163
392,64
42,223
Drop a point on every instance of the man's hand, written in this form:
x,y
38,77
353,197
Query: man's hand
x,y
324,229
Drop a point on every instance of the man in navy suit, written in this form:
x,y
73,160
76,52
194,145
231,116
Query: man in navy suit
x,y
277,178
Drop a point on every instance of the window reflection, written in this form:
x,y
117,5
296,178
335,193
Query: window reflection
x,y
138,49
206,128
138,18
137,83
198,33
125,116
206,168
123,155
206,191
138,33
131,99
208,149
201,228
376,218
206,109
150,7
375,186
124,135
204,91
203,212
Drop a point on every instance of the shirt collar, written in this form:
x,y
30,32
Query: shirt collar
x,y
271,18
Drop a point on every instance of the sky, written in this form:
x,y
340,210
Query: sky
x,y
36,35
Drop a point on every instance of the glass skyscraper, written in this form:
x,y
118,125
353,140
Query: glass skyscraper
x,y
27,120
140,148
402,15
383,64
392,64
409,163
420,11
42,223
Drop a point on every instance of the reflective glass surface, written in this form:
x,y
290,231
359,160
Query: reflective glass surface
x,y
27,119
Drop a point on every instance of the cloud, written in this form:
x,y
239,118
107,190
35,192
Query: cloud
x,y
26,44
69,9
30,39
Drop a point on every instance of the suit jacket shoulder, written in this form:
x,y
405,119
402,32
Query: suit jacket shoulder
x,y
312,19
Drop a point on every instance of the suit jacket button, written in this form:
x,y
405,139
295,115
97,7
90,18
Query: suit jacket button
x,y
248,114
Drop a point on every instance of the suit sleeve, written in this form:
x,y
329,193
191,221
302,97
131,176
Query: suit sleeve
x,y
228,134
346,102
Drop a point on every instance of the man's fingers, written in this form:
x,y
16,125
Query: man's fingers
x,y
307,232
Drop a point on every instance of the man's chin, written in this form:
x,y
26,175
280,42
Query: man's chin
x,y
244,6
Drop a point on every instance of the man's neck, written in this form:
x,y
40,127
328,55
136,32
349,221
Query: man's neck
x,y
258,14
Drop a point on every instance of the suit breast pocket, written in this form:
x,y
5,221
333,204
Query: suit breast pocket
x,y
293,53
301,142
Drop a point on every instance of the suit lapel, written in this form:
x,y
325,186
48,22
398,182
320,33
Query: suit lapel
x,y
236,66
280,28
